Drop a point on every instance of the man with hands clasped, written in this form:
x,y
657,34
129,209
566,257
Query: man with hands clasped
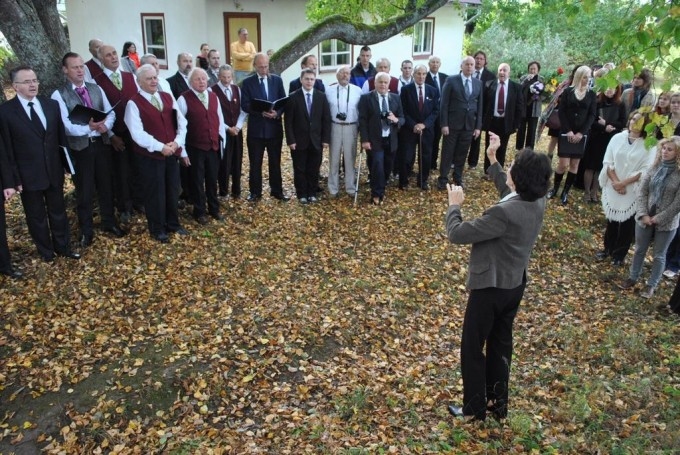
x,y
502,240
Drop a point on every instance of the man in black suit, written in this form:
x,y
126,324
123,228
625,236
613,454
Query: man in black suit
x,y
421,109
380,117
485,76
265,130
8,191
90,148
33,134
308,61
308,132
503,110
436,80
461,120
179,82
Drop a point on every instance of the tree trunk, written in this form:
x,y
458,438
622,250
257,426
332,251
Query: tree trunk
x,y
35,33
342,28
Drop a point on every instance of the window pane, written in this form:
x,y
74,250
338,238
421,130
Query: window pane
x,y
342,59
341,46
326,46
326,60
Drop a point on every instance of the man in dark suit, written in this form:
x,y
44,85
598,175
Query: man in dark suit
x,y
380,117
213,70
158,131
308,61
265,130
8,191
179,82
485,76
308,132
33,134
502,240
119,86
461,120
231,163
90,148
503,110
436,80
421,108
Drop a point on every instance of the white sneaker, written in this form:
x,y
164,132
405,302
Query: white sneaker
x,y
670,274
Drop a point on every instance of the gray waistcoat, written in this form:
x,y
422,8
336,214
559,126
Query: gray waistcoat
x,y
71,99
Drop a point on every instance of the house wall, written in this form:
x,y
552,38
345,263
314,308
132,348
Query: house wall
x,y
190,23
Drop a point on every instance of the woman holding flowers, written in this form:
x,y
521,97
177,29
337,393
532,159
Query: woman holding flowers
x,y
532,87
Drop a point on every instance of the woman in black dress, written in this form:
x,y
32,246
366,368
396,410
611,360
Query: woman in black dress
x,y
577,113
611,118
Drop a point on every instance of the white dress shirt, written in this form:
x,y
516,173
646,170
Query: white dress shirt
x,y
144,139
183,108
344,99
36,106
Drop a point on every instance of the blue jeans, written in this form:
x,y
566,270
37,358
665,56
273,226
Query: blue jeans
x,y
643,237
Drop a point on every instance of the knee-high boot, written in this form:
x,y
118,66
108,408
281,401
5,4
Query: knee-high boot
x,y
587,184
556,185
571,176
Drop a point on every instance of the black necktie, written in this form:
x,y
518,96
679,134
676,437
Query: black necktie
x,y
34,118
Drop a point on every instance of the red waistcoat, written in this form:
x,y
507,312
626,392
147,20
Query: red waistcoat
x,y
230,109
118,96
203,125
160,124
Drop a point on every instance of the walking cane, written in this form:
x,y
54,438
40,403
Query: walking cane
x,y
356,184
420,158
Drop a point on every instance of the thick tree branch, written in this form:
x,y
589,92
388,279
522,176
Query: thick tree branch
x,y
342,28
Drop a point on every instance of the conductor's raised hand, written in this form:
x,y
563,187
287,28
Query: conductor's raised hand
x,y
494,144
456,194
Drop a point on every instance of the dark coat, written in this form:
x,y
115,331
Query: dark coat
x,y
304,130
370,123
514,105
258,126
458,111
177,84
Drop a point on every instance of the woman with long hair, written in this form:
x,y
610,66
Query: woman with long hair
x,y
663,103
639,95
657,214
577,113
202,58
625,160
130,57
611,118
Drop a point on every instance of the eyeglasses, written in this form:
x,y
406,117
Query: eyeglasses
x,y
29,82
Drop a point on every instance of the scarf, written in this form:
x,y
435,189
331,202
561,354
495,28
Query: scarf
x,y
658,183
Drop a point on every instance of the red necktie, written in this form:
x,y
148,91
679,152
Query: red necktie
x,y
421,101
501,99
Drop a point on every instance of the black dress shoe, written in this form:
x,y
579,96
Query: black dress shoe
x,y
202,220
456,411
217,216
85,240
115,230
162,237
281,197
48,259
181,231
125,217
13,274
69,255
253,198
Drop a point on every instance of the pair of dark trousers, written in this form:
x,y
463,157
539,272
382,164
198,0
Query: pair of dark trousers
x,y
379,169
160,188
489,317
454,151
231,164
203,172
306,168
126,182
94,166
408,146
256,148
526,134
497,127
618,237
47,221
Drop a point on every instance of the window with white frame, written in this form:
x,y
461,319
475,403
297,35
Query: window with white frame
x,y
423,33
334,53
153,33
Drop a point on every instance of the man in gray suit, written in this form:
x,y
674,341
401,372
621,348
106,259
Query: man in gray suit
x,y
461,120
502,240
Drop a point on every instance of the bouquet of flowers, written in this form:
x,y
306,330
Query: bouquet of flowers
x,y
536,89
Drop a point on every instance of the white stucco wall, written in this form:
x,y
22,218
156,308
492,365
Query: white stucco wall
x,y
190,23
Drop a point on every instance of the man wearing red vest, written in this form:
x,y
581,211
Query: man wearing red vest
x,y
93,67
158,130
206,137
119,86
231,163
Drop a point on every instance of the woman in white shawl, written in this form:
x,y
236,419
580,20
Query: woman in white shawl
x,y
625,160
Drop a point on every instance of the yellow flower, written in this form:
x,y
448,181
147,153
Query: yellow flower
x,y
553,81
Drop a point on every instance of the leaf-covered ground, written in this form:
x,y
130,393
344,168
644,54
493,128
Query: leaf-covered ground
x,y
325,329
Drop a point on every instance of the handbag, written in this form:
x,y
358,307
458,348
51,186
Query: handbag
x,y
553,120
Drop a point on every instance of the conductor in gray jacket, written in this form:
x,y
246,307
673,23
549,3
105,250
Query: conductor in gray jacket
x,y
502,240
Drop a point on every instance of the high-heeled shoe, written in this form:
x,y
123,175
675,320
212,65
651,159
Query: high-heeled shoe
x,y
551,194
564,197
